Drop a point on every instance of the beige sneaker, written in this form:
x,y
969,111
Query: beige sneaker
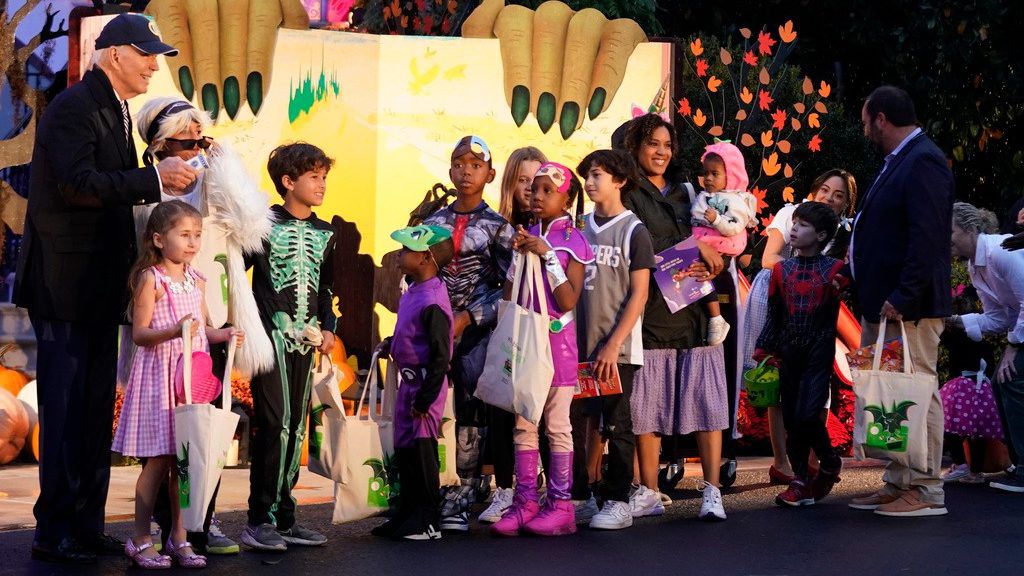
x,y
872,501
909,505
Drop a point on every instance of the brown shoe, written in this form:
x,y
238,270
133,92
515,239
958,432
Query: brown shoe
x,y
872,501
909,504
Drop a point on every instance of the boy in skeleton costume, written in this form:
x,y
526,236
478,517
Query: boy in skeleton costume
x,y
292,285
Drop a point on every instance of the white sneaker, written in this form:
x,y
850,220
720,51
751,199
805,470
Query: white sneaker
x,y
718,329
665,498
711,508
501,499
645,502
585,510
613,516
956,472
972,478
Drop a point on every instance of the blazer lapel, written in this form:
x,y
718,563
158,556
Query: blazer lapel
x,y
890,170
110,111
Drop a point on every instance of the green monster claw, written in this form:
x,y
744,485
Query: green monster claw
x,y
211,103
520,104
596,102
188,87
231,95
254,91
546,111
569,118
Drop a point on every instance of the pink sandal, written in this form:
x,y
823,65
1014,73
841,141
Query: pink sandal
x,y
134,552
191,560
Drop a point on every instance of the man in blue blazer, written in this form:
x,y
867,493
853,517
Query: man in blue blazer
x,y
900,264
78,246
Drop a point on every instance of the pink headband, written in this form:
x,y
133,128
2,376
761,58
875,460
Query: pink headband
x,y
559,174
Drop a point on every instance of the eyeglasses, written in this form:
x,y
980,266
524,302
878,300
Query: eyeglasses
x,y
191,143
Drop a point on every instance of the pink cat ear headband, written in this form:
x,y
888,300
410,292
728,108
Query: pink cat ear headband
x,y
559,174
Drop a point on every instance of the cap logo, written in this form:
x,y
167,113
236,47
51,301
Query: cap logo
x,y
153,28
557,173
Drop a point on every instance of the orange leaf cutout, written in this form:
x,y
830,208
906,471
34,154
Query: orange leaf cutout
x,y
741,114
715,131
702,67
812,120
815,144
747,140
745,32
786,32
825,89
699,118
749,58
766,222
771,165
799,107
779,119
764,77
766,139
759,194
784,146
787,194
820,107
765,43
796,124
808,86
747,96
724,55
764,100
696,47
714,83
684,106
788,172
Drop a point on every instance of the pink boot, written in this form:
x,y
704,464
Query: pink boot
x,y
524,503
559,515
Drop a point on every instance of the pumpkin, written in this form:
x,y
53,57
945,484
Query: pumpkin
x,y
304,451
13,427
346,376
35,442
29,399
11,380
338,353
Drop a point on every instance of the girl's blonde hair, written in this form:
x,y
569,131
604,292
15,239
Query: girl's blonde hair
x,y
510,177
162,220
969,218
169,124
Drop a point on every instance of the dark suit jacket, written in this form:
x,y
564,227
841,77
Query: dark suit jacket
x,y
901,249
79,241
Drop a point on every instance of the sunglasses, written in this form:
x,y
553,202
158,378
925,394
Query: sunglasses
x,y
191,143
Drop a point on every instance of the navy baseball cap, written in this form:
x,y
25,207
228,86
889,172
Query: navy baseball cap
x,y
136,30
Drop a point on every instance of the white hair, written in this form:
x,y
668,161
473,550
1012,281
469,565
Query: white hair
x,y
969,218
169,125
99,57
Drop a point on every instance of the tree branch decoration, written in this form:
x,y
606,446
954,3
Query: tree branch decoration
x,y
747,93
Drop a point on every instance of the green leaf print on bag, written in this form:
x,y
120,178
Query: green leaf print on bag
x,y
379,490
316,421
442,450
184,484
887,431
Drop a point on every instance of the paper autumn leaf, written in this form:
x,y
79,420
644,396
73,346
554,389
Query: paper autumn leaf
x,y
815,144
745,32
812,120
787,194
764,77
820,107
788,171
699,118
766,222
702,67
799,107
771,165
784,146
746,95
714,83
747,140
796,124
808,86
766,139
715,131
825,89
684,107
749,58
786,32
759,194
779,119
741,114
764,100
765,43
696,47
725,56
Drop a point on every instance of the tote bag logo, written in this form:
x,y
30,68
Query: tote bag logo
x,y
887,431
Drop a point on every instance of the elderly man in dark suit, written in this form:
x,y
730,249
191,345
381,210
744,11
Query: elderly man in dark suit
x,y
72,277
900,262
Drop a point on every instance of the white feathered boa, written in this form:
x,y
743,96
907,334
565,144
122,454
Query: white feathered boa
x,y
238,207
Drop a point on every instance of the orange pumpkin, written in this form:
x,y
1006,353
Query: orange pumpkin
x,y
13,427
338,353
304,454
346,376
11,380
35,442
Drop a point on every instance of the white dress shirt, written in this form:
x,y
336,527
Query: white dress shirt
x,y
998,275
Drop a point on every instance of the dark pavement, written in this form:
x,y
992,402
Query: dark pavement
x,y
983,534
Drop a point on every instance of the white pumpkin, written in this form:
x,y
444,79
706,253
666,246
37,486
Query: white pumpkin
x,y
13,426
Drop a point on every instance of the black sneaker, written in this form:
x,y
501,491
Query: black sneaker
x,y
302,536
430,533
264,537
456,522
1012,483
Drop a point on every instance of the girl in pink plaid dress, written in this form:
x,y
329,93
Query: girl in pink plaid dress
x,y
167,292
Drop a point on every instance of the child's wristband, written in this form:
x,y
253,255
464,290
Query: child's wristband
x,y
554,268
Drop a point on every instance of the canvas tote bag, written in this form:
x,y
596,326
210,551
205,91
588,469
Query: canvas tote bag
x,y
327,423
